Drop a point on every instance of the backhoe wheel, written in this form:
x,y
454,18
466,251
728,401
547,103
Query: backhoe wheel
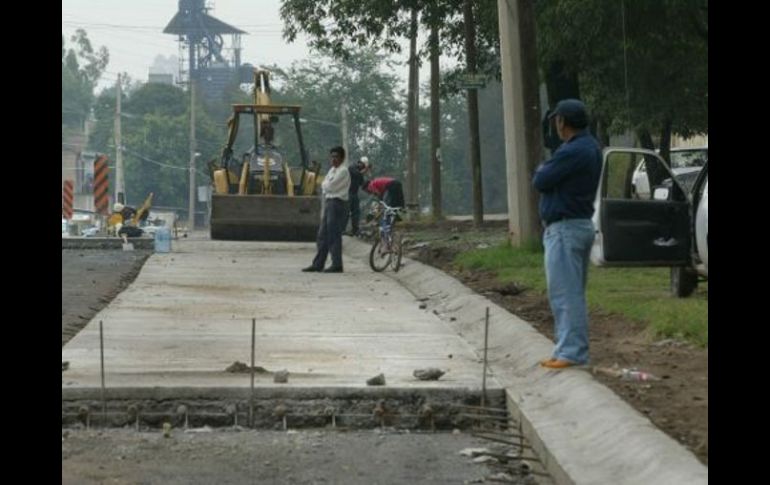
x,y
683,281
379,259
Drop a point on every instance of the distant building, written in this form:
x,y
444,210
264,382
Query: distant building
x,y
160,78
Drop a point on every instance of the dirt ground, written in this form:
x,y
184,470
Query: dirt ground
x,y
267,457
677,404
90,279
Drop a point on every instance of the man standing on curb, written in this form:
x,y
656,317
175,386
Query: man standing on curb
x,y
567,184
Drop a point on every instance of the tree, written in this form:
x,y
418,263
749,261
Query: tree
x,y
155,135
342,25
456,172
649,75
81,69
374,105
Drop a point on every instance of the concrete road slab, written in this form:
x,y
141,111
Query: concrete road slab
x,y
188,315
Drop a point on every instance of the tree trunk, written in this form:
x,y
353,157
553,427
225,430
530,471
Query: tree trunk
x,y
473,115
559,84
645,140
665,140
530,85
435,127
655,173
412,186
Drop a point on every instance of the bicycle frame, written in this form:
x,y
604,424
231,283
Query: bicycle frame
x,y
381,256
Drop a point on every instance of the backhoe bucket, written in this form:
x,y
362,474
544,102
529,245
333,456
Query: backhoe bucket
x,y
264,217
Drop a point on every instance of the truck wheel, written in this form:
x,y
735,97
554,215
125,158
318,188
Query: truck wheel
x,y
683,281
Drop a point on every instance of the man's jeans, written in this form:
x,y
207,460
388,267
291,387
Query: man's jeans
x,y
567,252
329,239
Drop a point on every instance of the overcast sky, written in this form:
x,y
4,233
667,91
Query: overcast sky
x,y
132,31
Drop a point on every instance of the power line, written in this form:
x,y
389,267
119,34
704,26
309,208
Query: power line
x,y
158,29
144,158
147,159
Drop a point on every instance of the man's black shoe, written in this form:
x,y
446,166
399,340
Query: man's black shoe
x,y
332,269
312,269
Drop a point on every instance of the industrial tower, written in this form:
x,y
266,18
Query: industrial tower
x,y
202,48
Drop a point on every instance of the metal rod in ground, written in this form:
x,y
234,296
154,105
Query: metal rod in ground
x,y
500,440
498,410
503,434
101,357
486,346
482,417
251,398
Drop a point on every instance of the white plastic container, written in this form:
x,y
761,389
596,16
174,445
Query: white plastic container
x,y
163,240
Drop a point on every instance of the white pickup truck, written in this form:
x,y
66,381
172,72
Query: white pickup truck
x,y
667,227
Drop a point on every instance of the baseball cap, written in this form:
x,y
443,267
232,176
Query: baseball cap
x,y
573,111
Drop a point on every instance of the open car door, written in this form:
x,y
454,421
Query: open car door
x,y
640,230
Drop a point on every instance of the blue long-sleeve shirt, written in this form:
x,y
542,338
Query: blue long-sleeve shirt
x,y
568,181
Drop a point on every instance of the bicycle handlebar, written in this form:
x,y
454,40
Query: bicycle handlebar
x,y
389,209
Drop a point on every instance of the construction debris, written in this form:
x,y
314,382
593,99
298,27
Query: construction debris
x,y
429,374
473,452
281,377
378,380
238,367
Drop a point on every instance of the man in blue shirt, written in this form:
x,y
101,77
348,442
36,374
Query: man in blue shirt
x,y
567,184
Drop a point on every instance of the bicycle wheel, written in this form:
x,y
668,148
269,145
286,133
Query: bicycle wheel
x,y
379,259
398,250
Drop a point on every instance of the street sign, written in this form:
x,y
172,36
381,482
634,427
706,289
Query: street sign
x,y
473,81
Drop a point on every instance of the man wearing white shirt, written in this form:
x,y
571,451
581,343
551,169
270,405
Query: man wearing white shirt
x,y
335,193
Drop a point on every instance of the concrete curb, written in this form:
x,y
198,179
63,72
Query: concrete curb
x,y
583,432
140,243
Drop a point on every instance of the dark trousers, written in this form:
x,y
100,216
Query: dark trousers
x,y
329,238
355,213
394,194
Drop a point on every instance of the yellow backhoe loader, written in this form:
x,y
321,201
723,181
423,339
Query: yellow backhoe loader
x,y
260,195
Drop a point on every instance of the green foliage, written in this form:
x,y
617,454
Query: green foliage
x,y
342,26
81,68
641,294
456,174
365,84
663,49
156,134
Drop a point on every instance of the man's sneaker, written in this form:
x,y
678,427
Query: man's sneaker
x,y
332,269
312,269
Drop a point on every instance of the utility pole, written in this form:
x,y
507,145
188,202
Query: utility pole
x,y
344,115
191,206
120,184
521,115
413,134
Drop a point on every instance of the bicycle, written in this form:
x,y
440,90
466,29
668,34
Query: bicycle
x,y
387,248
